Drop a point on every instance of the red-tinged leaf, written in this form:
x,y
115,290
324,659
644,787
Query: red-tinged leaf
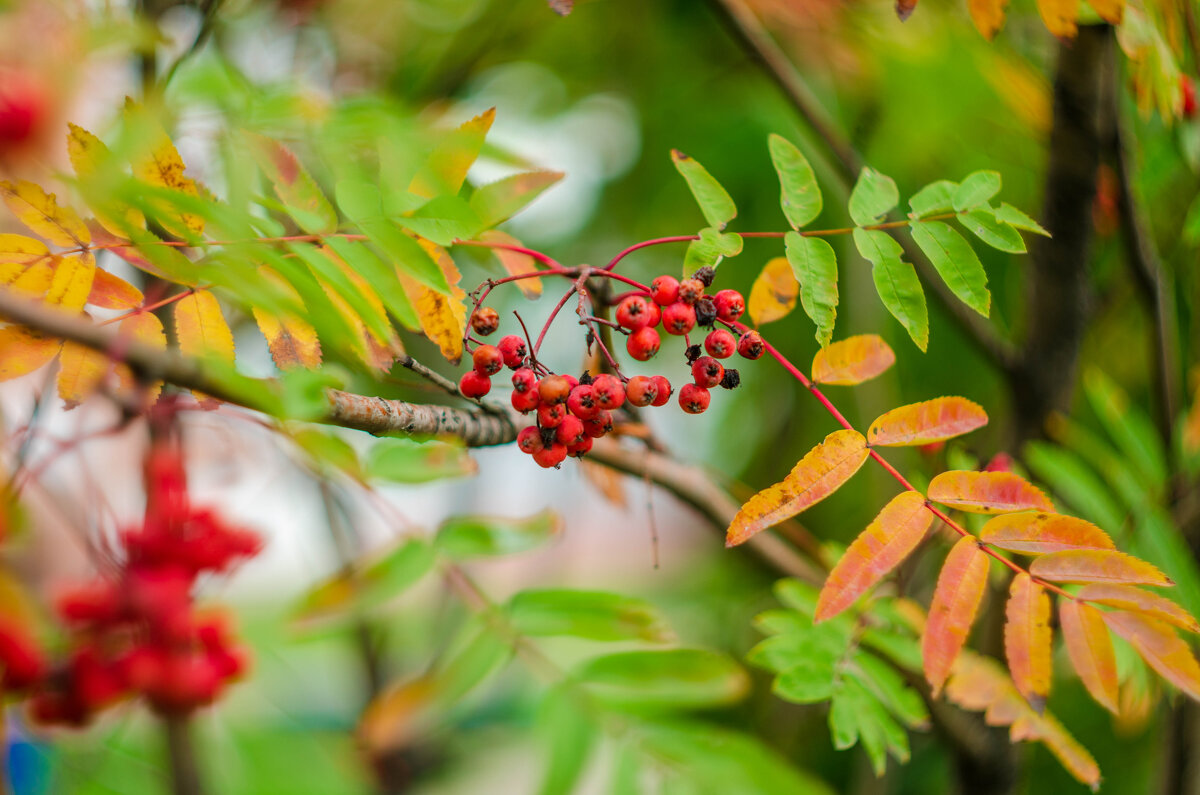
x,y
1098,566
23,350
1070,754
561,7
113,292
18,254
930,421
39,211
1059,16
1091,651
988,16
1160,647
292,340
143,328
1039,533
956,598
201,329
1027,639
852,360
1135,600
817,475
773,294
80,372
514,262
904,9
294,186
987,492
885,543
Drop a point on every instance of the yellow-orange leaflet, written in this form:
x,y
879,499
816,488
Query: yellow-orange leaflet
x,y
39,211
1111,11
886,542
87,154
1091,651
293,342
988,15
1136,600
515,263
72,281
443,318
143,328
852,360
1099,566
1059,16
1027,639
22,351
201,329
449,162
113,292
817,475
1160,647
80,371
956,598
987,492
929,421
773,294
163,167
1039,533
18,254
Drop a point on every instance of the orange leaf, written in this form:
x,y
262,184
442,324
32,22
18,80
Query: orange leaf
x,y
987,492
988,16
72,281
1160,647
930,421
852,360
1027,638
1097,565
1111,11
376,352
1135,600
201,329
1091,651
886,542
18,254
1059,16
1037,534
514,262
773,294
40,212
292,340
960,588
80,371
443,318
817,475
113,292
23,350
146,329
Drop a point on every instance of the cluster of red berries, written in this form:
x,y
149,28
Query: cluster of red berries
x,y
572,412
138,633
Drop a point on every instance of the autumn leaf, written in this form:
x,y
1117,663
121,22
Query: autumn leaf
x,y
930,421
773,294
448,163
162,167
18,254
904,9
1111,11
294,186
885,543
817,475
80,372
23,350
1136,600
987,492
113,292
88,156
144,328
852,360
71,282
1039,533
1059,16
39,211
956,598
498,201
293,342
514,262
1091,651
443,318
1097,566
201,331
988,16
1160,647
1027,639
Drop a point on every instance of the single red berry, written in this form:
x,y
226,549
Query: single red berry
x,y
610,392
693,399
551,456
474,385
525,380
1189,96
512,348
554,389
550,415
720,344
22,663
643,344
581,449
570,431
485,321
488,360
664,290
664,390
526,401
633,312
653,313
530,440
641,390
707,372
690,290
678,319
751,345
22,109
582,402
730,305
599,425
572,382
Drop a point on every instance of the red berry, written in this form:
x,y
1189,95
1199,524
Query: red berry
x,y
530,440
572,382
554,389
488,360
690,290
512,348
720,344
664,290
551,456
610,392
474,385
663,386
525,402
570,430
653,313
582,402
22,109
581,449
643,344
22,664
525,380
633,312
707,372
751,345
551,414
1189,96
730,305
641,390
694,399
599,425
678,319
485,321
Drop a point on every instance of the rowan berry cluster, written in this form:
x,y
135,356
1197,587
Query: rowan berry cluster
x,y
572,412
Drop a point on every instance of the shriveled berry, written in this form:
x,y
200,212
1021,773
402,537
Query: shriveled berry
x,y
512,348
633,312
610,392
530,440
474,385
705,275
664,290
693,399
678,319
488,360
570,430
526,401
664,390
706,312
690,290
582,402
692,353
730,305
641,390
552,456
751,345
554,389
643,344
599,425
707,372
524,380
731,379
581,449
586,378
485,321
551,415
720,344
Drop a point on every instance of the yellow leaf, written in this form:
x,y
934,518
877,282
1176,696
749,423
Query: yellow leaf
x,y
72,281
1111,11
80,372
22,351
448,163
113,292
201,329
1027,639
18,254
376,352
514,262
35,281
293,341
143,328
163,167
773,294
443,318
988,16
987,492
1059,16
1160,647
40,212
930,421
852,360
88,153
1091,651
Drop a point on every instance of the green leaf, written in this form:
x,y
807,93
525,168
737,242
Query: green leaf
x,y
381,276
873,197
595,615
1014,217
443,219
710,249
800,195
570,733
903,650
933,199
498,201
976,190
827,641
328,271
479,536
446,168
781,622
1128,427
327,451
361,203
814,265
483,655
809,681
715,203
890,689
798,595
400,460
995,233
294,186
855,715
896,282
673,679
956,262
